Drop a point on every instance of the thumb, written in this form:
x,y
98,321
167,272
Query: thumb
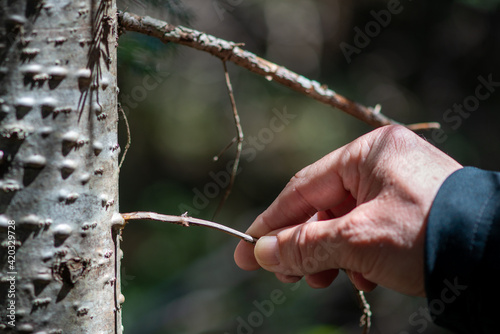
x,y
305,249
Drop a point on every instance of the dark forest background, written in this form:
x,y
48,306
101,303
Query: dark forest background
x,y
428,58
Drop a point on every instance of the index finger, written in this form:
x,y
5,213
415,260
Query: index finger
x,y
315,188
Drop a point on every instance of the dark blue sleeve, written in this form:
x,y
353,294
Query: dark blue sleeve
x,y
462,253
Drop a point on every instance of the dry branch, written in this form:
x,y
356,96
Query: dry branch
x,y
230,51
184,220
129,136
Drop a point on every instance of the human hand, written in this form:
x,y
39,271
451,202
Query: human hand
x,y
371,199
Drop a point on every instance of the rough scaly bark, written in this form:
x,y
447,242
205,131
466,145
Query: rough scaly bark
x,y
58,167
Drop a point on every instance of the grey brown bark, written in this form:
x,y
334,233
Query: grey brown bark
x,y
59,168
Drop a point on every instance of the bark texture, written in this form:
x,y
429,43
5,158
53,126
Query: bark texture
x,y
59,167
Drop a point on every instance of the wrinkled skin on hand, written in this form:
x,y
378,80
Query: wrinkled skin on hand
x,y
362,208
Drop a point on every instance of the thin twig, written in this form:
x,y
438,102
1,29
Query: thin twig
x,y
424,126
239,140
184,220
230,51
129,136
217,157
365,320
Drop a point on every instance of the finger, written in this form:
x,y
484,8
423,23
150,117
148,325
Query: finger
x,y
360,282
340,210
244,254
345,242
301,250
288,278
244,257
316,188
322,279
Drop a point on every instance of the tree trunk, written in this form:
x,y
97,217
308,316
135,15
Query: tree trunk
x,y
59,222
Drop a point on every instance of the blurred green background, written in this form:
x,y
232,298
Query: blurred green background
x,y
184,280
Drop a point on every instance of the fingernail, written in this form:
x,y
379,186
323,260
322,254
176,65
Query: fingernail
x,y
266,251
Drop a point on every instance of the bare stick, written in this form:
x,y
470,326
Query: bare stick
x,y
365,320
129,136
184,220
424,126
239,140
217,157
230,51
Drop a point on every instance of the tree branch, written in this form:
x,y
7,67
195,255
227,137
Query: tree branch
x,y
129,136
184,220
230,51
